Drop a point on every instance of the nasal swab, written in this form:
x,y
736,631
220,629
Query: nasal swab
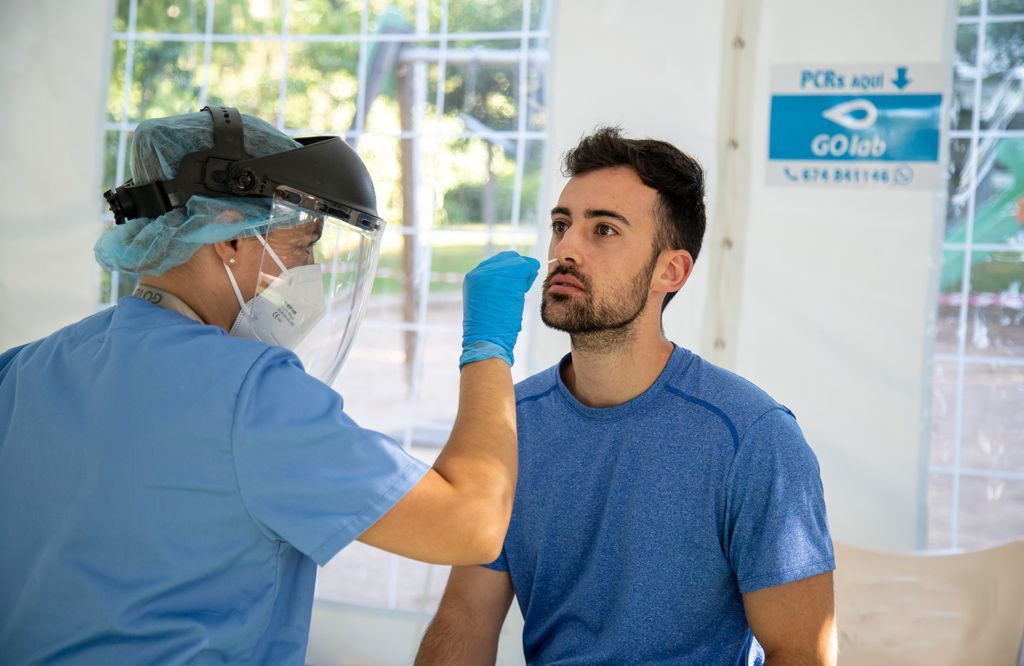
x,y
551,261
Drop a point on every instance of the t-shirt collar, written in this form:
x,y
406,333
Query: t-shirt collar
x,y
675,361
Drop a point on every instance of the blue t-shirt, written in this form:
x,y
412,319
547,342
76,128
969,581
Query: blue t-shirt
x,y
166,491
636,528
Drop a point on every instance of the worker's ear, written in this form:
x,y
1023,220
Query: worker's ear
x,y
226,250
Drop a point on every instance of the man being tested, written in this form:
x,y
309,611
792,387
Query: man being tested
x,y
667,511
167,488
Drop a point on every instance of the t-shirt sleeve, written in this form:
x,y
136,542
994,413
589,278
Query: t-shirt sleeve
x,y
500,564
307,474
777,529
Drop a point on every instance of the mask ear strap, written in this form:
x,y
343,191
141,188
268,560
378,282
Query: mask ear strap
x,y
234,286
273,255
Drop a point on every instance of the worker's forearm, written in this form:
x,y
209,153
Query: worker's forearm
x,y
481,454
485,428
450,642
459,511
800,658
480,459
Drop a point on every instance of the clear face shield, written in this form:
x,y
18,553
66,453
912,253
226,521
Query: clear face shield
x,y
315,276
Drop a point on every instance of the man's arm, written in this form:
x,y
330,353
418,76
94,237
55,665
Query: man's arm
x,y
465,630
458,513
795,623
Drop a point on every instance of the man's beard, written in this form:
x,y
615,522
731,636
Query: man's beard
x,y
597,325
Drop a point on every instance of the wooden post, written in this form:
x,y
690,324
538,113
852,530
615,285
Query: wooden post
x,y
410,295
490,203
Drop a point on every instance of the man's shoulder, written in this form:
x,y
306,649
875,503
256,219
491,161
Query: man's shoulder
x,y
537,386
735,399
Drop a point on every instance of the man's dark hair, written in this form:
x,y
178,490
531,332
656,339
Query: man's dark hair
x,y
675,176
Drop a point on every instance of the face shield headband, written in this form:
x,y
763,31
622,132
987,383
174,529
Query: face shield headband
x,y
312,305
325,168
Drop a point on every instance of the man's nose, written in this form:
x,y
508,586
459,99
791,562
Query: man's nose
x,y
568,248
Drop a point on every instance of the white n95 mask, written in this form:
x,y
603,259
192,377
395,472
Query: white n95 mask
x,y
286,310
313,309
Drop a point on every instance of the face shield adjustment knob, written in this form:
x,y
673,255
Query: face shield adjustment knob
x,y
242,181
116,207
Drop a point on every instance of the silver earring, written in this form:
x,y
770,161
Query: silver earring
x,y
231,260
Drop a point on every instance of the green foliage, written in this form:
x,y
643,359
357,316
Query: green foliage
x,y
322,86
324,17
168,75
1004,47
463,15
1004,6
997,273
174,16
969,7
125,286
464,203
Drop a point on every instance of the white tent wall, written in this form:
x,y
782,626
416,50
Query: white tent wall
x,y
839,286
53,80
651,67
824,298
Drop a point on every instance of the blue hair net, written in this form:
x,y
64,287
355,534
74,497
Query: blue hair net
x,y
152,246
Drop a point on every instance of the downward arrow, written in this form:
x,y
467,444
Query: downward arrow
x,y
901,81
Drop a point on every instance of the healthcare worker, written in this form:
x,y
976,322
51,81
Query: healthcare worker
x,y
173,468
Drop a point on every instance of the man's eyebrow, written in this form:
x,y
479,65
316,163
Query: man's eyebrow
x,y
591,213
598,212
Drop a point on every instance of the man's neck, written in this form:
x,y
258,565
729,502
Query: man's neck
x,y
603,375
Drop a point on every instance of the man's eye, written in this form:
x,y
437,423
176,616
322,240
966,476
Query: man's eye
x,y
605,230
559,226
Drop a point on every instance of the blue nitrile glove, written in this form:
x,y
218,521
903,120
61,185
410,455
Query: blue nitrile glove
x,y
492,306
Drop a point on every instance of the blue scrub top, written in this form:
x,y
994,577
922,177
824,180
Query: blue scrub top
x,y
167,490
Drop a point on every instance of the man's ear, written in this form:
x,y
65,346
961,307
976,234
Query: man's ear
x,y
673,269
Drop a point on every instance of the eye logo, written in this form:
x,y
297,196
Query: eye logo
x,y
844,114
853,116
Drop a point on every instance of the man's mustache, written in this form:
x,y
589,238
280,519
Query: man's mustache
x,y
567,269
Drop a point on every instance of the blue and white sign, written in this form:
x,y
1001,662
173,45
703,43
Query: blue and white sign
x,y
856,125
